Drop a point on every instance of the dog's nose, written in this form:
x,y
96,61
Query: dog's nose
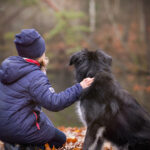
x,y
90,74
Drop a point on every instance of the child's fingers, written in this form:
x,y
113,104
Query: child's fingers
x,y
87,82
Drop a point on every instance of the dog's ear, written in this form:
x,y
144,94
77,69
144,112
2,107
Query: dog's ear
x,y
78,57
106,58
109,60
74,58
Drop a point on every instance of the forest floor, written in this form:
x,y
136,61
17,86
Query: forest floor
x,y
75,139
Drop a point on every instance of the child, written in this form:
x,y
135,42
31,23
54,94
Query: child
x,y
24,89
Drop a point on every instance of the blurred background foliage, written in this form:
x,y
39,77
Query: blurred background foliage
x,y
119,27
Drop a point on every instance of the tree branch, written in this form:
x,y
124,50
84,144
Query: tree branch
x,y
52,5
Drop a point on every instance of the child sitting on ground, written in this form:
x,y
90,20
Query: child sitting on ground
x,y
25,88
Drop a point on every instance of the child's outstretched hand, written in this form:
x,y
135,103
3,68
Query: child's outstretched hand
x,y
86,82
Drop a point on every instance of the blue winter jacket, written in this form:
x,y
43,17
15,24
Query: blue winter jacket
x,y
24,88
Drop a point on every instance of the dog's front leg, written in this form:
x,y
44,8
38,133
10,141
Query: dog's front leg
x,y
89,139
93,139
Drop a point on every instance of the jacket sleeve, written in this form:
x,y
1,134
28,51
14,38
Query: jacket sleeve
x,y
42,93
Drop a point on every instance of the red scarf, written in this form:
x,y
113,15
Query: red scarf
x,y
32,61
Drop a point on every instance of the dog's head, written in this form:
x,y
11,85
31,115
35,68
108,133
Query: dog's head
x,y
89,63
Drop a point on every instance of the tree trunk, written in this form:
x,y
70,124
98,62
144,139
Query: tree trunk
x,y
146,9
92,14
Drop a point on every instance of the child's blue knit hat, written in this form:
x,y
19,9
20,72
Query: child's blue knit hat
x,y
29,43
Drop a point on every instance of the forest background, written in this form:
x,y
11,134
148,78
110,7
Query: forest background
x,y
119,27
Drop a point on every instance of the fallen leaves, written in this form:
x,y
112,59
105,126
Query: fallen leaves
x,y
47,147
75,139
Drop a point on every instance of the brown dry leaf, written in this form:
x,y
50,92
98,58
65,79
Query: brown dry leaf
x,y
73,140
47,147
77,148
53,148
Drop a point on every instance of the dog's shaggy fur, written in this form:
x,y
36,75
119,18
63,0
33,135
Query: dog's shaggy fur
x,y
109,112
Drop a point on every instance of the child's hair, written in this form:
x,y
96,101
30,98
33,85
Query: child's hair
x,y
43,62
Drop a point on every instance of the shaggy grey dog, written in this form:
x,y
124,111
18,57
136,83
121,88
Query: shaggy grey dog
x,y
109,112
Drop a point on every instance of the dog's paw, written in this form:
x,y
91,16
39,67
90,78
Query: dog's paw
x,y
1,145
107,146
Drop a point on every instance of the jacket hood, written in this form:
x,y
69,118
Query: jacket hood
x,y
15,67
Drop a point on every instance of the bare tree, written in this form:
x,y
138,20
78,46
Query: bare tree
x,y
92,14
111,18
51,4
146,9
